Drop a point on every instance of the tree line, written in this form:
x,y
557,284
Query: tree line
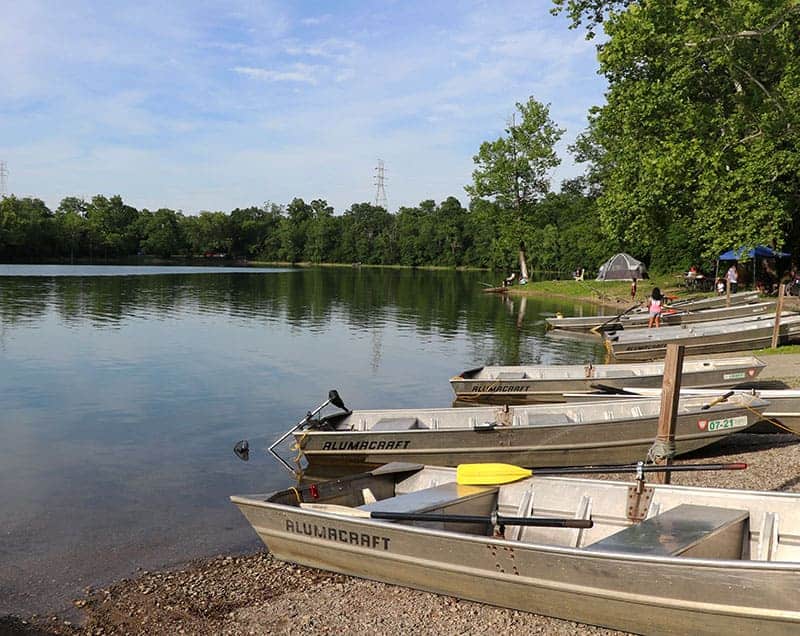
x,y
443,234
696,151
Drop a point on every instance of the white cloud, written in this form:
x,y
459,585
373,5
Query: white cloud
x,y
316,20
302,73
198,106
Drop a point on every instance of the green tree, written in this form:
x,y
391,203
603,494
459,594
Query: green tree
x,y
294,230
697,147
322,237
112,226
513,171
71,224
26,228
162,233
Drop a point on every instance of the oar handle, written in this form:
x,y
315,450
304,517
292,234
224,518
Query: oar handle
x,y
632,468
547,522
721,398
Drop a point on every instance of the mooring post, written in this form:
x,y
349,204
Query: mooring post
x,y
776,330
668,416
727,292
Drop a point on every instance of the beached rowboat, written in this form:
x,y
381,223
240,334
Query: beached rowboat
x,y
586,323
738,334
548,383
783,407
670,316
542,435
705,561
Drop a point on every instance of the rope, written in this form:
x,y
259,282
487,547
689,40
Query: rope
x,y
775,423
298,446
661,450
296,494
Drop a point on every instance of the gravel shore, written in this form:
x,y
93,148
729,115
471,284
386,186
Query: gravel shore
x,y
256,594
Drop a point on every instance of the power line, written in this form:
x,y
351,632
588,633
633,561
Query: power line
x,y
380,192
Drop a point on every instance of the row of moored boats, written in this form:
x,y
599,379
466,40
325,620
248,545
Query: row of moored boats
x,y
441,499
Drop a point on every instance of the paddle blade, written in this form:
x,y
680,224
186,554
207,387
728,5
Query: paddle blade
x,y
489,474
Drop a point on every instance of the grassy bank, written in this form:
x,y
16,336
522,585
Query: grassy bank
x,y
604,292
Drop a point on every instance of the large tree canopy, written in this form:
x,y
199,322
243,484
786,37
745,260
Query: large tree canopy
x,y
698,145
513,170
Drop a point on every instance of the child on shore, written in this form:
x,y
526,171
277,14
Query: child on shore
x,y
654,308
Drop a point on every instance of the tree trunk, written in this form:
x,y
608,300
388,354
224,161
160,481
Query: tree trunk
x,y
523,264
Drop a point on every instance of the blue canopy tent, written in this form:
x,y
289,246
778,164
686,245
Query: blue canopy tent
x,y
759,251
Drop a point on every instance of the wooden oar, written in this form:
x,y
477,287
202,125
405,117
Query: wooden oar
x,y
489,474
717,400
494,519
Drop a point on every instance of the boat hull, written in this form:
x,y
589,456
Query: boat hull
x,y
616,440
642,594
531,390
783,408
703,339
676,314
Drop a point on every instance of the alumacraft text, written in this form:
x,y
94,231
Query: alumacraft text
x,y
337,534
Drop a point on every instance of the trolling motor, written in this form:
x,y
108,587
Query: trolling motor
x,y
242,448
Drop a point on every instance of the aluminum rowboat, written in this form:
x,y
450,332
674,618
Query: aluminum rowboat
x,y
671,316
587,323
705,561
548,383
543,435
784,404
739,334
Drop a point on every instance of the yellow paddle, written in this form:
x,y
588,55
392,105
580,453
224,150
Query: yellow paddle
x,y
483,474
492,474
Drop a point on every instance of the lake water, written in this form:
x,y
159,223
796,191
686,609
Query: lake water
x,y
124,389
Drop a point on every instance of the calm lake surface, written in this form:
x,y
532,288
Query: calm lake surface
x,y
124,390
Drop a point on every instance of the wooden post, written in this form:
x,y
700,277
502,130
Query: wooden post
x,y
776,330
727,291
670,394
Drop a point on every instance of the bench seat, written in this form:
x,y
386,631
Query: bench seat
x,y
686,530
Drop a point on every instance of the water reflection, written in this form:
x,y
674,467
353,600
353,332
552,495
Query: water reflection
x,y
123,397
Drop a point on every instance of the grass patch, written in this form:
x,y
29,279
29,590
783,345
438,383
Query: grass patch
x,y
606,291
785,349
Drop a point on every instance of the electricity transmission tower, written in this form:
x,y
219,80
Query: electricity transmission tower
x,y
3,178
380,191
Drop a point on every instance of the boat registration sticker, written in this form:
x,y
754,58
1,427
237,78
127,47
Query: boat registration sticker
x,y
719,425
739,375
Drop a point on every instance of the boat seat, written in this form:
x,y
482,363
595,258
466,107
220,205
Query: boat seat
x,y
512,375
548,419
398,424
448,498
686,530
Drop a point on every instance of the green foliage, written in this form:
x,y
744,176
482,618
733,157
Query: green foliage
x,y
26,227
162,233
697,146
512,171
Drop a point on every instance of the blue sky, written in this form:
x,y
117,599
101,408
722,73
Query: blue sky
x,y
212,105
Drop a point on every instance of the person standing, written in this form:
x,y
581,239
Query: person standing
x,y
654,305
633,288
733,278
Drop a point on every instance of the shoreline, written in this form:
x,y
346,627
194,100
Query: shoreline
x,y
254,593
257,594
